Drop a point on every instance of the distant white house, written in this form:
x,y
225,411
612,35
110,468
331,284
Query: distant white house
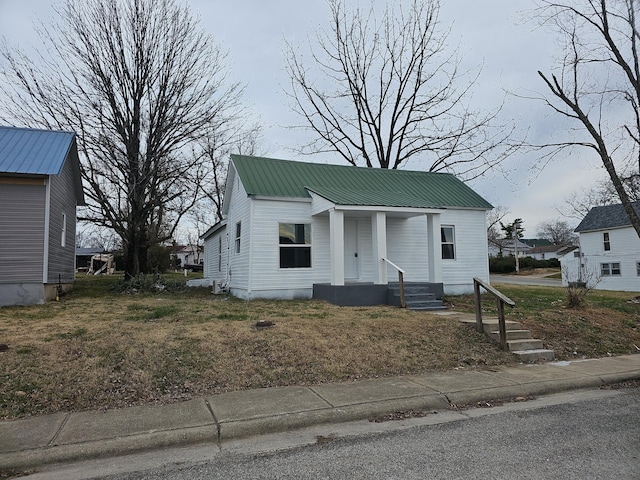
x,y
293,229
182,255
506,247
548,252
608,257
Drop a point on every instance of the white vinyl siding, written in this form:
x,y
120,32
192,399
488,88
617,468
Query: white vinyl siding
x,y
407,248
239,211
265,250
472,256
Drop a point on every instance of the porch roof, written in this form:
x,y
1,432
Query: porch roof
x,y
347,185
340,196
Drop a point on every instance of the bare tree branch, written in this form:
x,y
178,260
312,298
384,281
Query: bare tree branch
x,y
138,81
394,92
598,86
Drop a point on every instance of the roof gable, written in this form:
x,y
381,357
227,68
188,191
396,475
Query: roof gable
x,y
27,151
608,216
347,185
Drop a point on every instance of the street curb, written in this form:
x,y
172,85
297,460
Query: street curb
x,y
216,433
293,421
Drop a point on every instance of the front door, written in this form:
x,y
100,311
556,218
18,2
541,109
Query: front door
x,y
351,270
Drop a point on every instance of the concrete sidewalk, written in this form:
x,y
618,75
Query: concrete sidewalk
x,y
67,437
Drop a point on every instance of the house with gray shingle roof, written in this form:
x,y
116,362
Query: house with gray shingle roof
x,y
40,187
609,254
301,230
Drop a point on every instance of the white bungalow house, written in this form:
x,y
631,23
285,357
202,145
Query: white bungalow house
x,y
302,230
608,257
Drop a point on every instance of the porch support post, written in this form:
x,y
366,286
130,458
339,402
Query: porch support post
x,y
434,248
379,236
336,245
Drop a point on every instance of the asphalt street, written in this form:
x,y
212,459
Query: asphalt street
x,y
526,280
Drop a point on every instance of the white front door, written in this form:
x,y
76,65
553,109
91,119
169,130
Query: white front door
x,y
351,271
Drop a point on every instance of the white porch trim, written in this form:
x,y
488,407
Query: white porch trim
x,y
379,237
336,246
434,248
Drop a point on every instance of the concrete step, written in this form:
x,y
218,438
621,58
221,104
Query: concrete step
x,y
432,307
511,335
491,325
532,356
418,296
528,344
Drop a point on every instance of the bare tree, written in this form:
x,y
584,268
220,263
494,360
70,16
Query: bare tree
x,y
390,90
597,87
138,81
494,218
215,150
558,232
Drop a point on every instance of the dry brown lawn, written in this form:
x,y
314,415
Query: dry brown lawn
x,y
99,349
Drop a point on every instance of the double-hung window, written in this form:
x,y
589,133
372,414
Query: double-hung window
x,y
295,245
606,241
447,237
608,269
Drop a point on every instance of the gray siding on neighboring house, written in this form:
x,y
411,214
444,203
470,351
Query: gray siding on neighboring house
x,y
21,230
62,202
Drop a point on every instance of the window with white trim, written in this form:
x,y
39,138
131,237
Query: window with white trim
x,y
295,245
606,241
447,238
238,235
638,268
609,269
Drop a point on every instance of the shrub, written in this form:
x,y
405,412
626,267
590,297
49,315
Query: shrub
x,y
150,284
508,264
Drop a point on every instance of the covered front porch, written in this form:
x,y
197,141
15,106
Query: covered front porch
x,y
370,245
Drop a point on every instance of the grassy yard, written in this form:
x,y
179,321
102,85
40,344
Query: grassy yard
x,y
98,348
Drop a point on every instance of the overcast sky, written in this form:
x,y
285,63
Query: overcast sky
x,y
494,33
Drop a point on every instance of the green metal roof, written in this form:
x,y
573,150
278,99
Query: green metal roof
x,y
345,185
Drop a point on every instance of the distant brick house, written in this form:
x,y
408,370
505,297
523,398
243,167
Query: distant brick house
x,y
40,187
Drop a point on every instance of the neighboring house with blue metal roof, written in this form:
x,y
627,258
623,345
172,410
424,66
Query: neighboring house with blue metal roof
x,y
302,230
609,254
40,187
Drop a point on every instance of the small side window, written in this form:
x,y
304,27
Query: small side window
x,y
63,235
447,237
607,242
238,236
